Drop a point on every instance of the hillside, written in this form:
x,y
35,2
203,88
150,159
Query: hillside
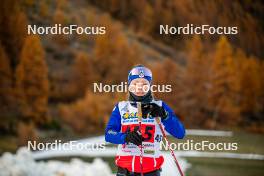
x,y
48,79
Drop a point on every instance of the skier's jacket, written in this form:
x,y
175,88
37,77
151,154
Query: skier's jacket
x,y
123,118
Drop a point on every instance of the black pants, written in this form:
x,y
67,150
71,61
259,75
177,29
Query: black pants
x,y
124,172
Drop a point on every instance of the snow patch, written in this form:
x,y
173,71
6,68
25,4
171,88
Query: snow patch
x,y
23,164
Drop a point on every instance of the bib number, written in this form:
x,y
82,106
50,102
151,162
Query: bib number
x,y
147,130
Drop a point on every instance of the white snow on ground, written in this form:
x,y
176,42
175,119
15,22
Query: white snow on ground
x,y
23,164
169,168
93,140
195,132
248,156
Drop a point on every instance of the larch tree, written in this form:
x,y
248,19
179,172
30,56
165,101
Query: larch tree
x,y
32,82
195,83
60,18
83,73
251,91
5,79
13,29
6,92
224,85
144,14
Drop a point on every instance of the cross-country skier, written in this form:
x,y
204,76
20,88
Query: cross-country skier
x,y
123,127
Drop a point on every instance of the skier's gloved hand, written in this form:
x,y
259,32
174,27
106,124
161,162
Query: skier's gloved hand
x,y
154,110
134,137
145,110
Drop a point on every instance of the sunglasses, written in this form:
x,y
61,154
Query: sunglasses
x,y
141,72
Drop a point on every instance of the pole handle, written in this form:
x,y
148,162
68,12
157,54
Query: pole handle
x,y
139,111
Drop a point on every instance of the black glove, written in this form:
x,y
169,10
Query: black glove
x,y
146,109
154,110
134,137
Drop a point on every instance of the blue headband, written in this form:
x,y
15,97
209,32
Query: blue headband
x,y
140,72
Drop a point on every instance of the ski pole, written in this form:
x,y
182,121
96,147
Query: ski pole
x,y
141,146
171,151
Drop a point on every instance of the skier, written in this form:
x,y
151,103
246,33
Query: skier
x,y
123,127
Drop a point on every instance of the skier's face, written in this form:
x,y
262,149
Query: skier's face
x,y
139,86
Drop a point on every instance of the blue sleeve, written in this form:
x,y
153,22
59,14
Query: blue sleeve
x,y
113,128
172,123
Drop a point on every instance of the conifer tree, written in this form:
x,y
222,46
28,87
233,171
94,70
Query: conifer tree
x,y
5,79
83,73
6,92
195,83
32,83
251,91
224,85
